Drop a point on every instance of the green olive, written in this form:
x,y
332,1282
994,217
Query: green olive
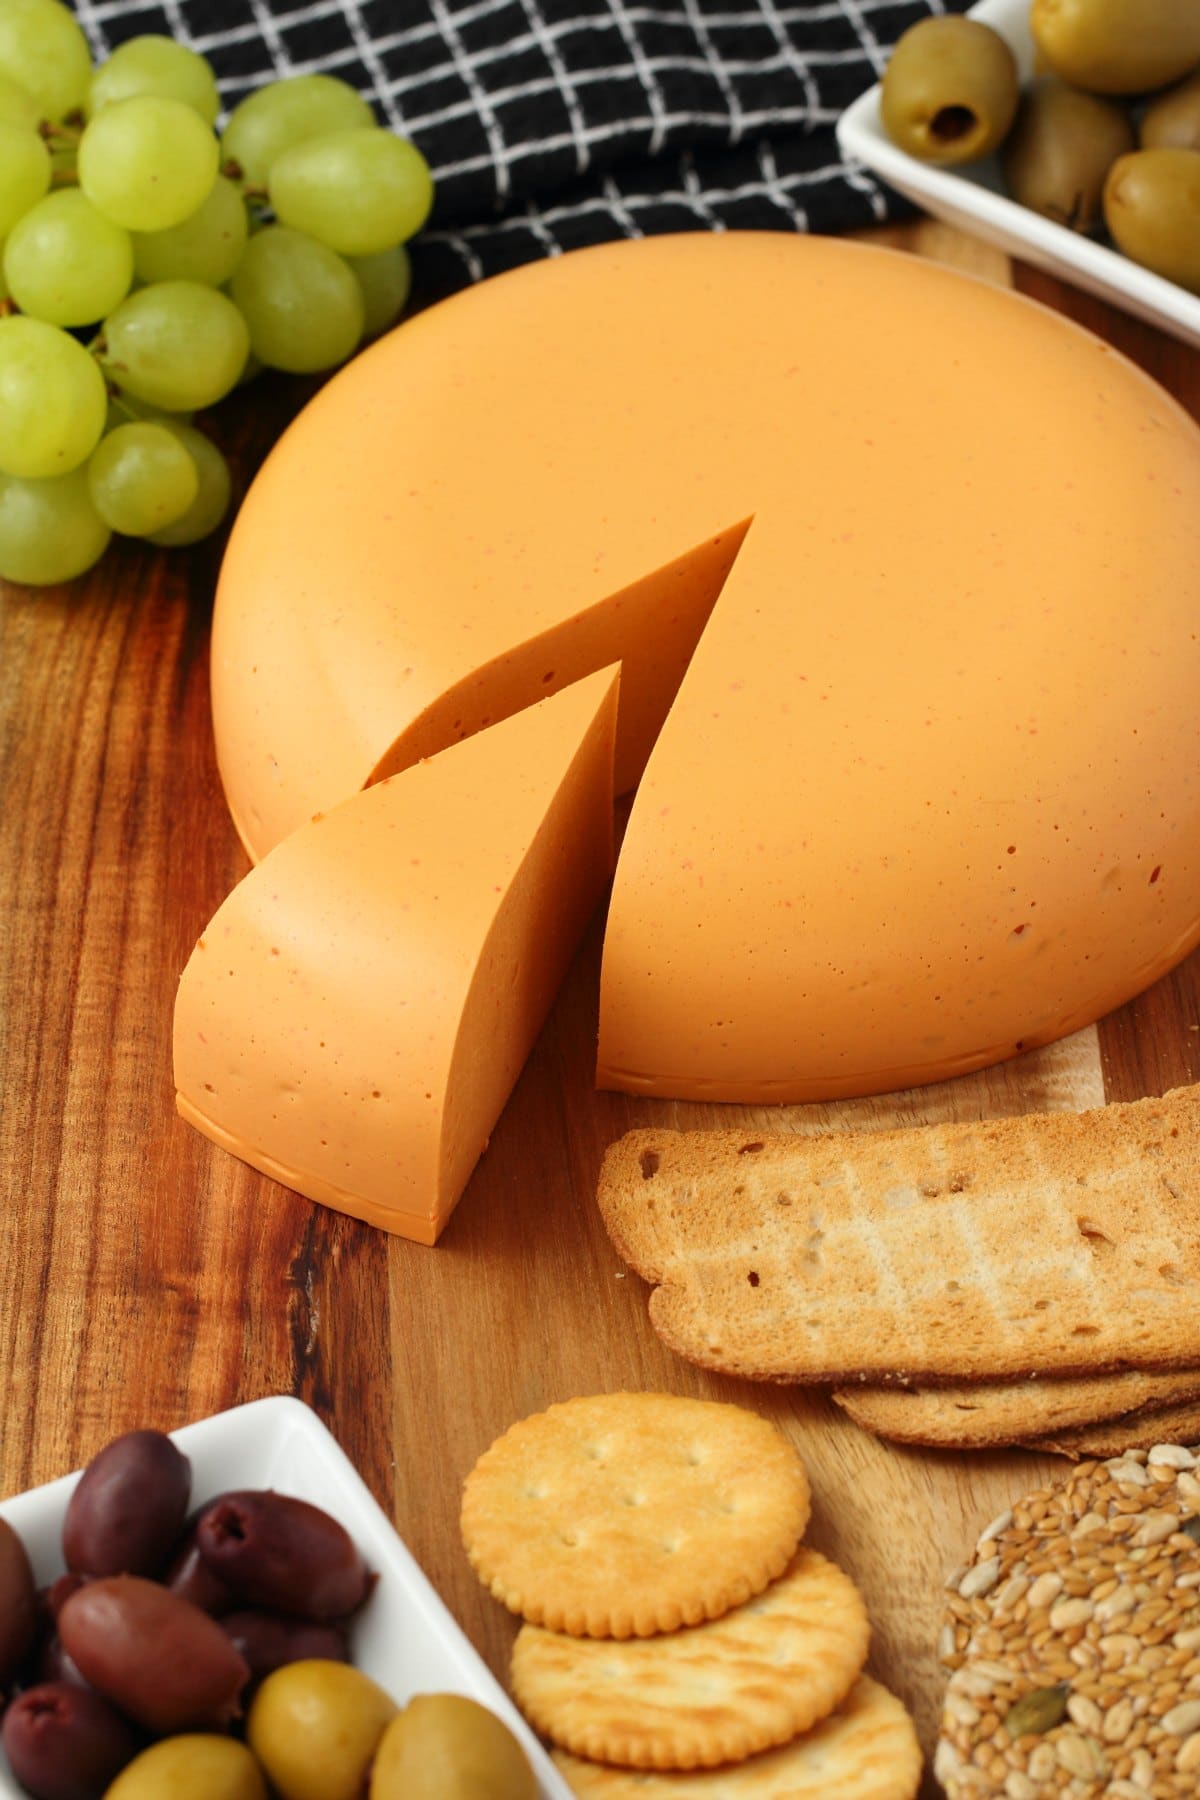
x,y
314,1727
1172,122
1060,149
1152,209
1117,46
193,1766
949,90
444,1747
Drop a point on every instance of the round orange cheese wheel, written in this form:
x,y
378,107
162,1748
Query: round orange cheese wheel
x,y
903,572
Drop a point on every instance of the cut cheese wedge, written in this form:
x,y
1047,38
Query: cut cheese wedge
x,y
927,557
356,1014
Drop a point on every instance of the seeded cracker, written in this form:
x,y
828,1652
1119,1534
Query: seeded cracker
x,y
867,1750
709,1694
1073,1640
621,1515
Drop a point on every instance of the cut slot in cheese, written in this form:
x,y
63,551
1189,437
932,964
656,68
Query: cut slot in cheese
x,y
356,1014
928,791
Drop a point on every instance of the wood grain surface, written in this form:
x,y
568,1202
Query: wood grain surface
x,y
146,1278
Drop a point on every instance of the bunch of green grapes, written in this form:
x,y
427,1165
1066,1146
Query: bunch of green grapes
x,y
150,266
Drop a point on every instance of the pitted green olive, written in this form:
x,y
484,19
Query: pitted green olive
x,y
1152,209
1172,122
1060,149
445,1747
1117,46
193,1766
314,1726
949,91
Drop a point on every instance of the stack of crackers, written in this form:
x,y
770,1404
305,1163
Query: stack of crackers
x,y
1028,1280
679,1638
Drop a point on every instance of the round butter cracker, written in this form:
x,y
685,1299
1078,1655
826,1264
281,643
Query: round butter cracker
x,y
709,1694
622,1515
1073,1640
867,1750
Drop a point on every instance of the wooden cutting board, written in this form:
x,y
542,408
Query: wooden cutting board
x,y
145,1278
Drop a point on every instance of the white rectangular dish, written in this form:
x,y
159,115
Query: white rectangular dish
x,y
972,199
405,1639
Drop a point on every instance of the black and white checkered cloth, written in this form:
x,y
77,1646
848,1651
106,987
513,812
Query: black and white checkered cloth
x,y
551,124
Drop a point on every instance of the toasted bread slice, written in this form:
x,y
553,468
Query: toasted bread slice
x,y
974,1415
1136,1431
1054,1243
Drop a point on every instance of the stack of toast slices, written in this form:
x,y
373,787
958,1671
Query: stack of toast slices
x,y
1031,1280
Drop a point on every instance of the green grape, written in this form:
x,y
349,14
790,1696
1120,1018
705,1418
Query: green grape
x,y
17,105
156,65
65,262
302,303
385,280
285,112
49,530
207,246
176,344
24,172
142,479
123,409
357,191
52,399
43,50
147,163
213,494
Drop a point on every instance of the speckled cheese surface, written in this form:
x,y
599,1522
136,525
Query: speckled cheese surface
x,y
927,793
354,1017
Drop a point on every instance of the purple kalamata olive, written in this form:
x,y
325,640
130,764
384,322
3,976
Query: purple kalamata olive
x,y
269,1640
283,1554
158,1658
18,1605
128,1507
47,1660
55,1597
189,1576
66,1743
53,1664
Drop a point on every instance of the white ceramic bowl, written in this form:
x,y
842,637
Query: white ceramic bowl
x,y
405,1638
972,199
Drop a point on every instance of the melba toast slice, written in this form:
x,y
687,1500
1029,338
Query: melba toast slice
x,y
1051,1243
1135,1431
974,1415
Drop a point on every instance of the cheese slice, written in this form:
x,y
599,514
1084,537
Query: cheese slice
x,y
356,1014
928,556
